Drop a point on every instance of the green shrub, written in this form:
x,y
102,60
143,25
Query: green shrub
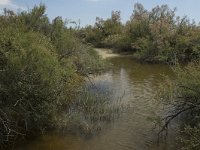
x,y
40,73
182,97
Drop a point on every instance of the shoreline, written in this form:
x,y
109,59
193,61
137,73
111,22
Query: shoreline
x,y
106,53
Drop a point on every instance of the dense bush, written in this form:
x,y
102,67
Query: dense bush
x,y
182,97
157,35
42,65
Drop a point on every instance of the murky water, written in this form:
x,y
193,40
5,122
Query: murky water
x,y
136,84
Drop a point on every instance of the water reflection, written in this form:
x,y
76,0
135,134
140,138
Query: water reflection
x,y
137,83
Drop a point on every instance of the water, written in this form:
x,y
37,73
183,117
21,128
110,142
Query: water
x,y
136,84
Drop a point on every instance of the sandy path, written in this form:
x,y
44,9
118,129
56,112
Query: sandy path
x,y
106,53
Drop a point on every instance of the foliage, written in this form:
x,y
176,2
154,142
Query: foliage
x,y
103,30
182,97
157,35
42,65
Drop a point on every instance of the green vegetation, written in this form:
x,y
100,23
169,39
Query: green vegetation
x,y
42,66
157,35
182,98
90,110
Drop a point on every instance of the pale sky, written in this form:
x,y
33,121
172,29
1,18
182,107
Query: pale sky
x,y
88,10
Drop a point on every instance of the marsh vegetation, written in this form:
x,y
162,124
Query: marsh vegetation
x,y
43,66
46,66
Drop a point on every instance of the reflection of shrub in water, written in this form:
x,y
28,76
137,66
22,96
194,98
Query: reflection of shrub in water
x,y
87,113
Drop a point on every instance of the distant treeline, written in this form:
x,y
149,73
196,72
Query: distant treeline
x,y
42,66
158,35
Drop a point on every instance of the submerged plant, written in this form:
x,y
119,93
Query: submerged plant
x,y
90,110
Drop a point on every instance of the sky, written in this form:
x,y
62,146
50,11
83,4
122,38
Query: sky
x,y
88,10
